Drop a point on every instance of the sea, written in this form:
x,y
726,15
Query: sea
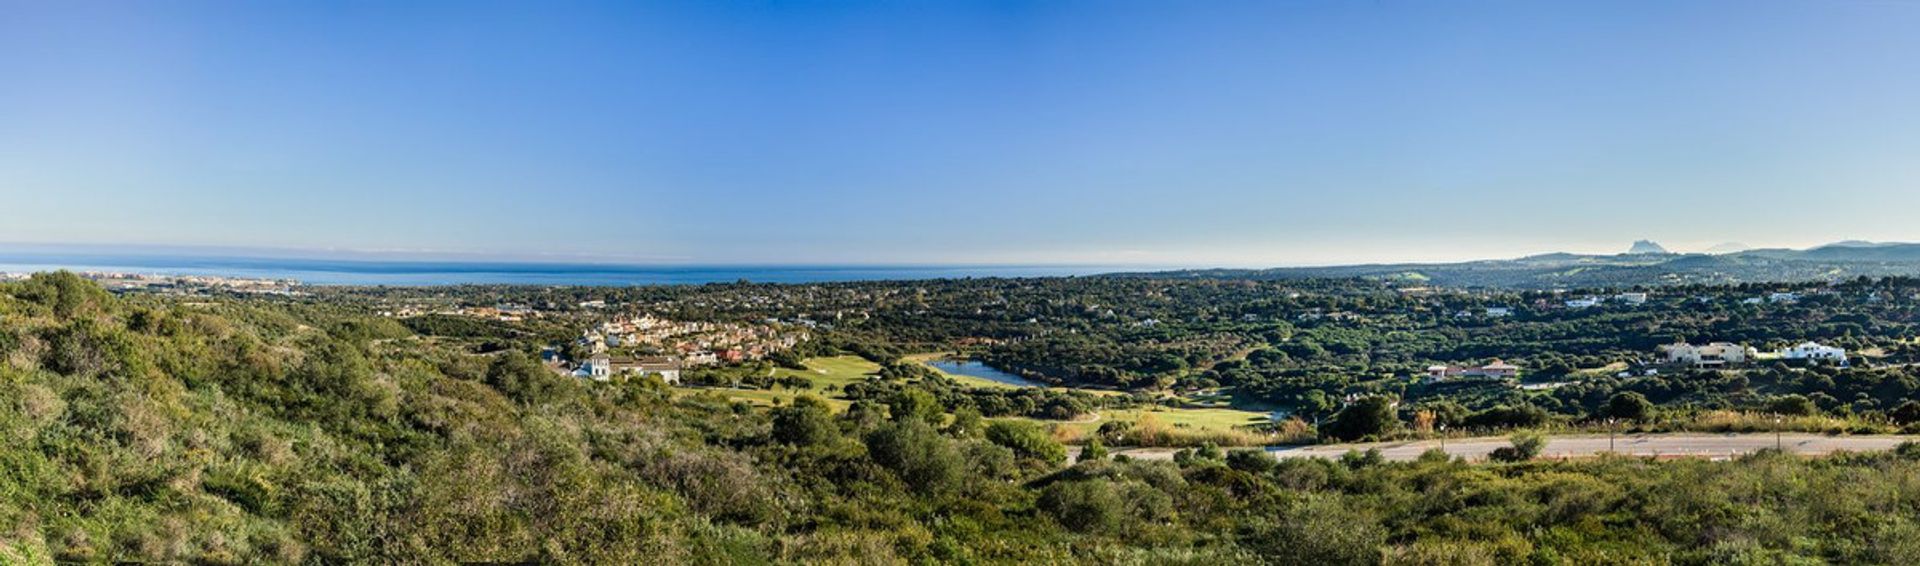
x,y
423,273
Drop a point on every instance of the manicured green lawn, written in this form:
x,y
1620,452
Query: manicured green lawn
x,y
833,372
1205,419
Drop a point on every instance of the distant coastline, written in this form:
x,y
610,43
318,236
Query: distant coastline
x,y
424,273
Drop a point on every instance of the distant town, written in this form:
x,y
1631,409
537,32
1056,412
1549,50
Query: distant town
x,y
179,284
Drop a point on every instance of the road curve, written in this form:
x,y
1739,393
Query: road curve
x,y
1678,445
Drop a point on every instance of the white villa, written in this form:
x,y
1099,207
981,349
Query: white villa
x,y
1815,351
1496,312
1711,355
1582,303
1632,298
602,367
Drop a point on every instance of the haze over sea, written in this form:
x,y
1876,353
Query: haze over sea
x,y
406,273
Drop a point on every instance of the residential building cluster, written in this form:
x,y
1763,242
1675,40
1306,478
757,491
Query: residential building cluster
x,y
1632,299
603,367
1721,354
505,312
696,343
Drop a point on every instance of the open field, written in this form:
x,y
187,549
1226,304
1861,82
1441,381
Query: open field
x,y
1205,419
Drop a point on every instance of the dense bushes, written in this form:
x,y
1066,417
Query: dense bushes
x,y
1364,418
920,456
1027,441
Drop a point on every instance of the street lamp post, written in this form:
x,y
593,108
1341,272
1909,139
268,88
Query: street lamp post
x,y
1610,422
1777,446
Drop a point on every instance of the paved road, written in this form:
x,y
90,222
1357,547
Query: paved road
x,y
1682,445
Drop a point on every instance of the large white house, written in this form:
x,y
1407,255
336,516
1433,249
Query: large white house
x,y
1585,302
1814,351
602,367
1711,355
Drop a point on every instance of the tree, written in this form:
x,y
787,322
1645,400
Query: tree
x,y
1089,506
1629,405
806,422
1251,460
1368,416
523,379
1908,412
1526,446
967,423
1792,405
915,404
1027,441
917,454
1094,451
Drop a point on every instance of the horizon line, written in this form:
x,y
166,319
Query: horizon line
x,y
66,252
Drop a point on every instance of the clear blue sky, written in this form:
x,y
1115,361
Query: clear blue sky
x,y
1169,132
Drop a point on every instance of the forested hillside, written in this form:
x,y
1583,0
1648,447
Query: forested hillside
x,y
224,431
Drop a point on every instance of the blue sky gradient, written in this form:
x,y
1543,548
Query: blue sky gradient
x,y
1112,132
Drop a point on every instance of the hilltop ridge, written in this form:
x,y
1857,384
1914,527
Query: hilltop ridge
x,y
1840,260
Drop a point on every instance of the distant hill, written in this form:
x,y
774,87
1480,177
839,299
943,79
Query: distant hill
x,y
1728,247
1855,244
1563,270
1646,247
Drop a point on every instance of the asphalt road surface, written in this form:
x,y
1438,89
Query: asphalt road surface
x,y
1681,445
